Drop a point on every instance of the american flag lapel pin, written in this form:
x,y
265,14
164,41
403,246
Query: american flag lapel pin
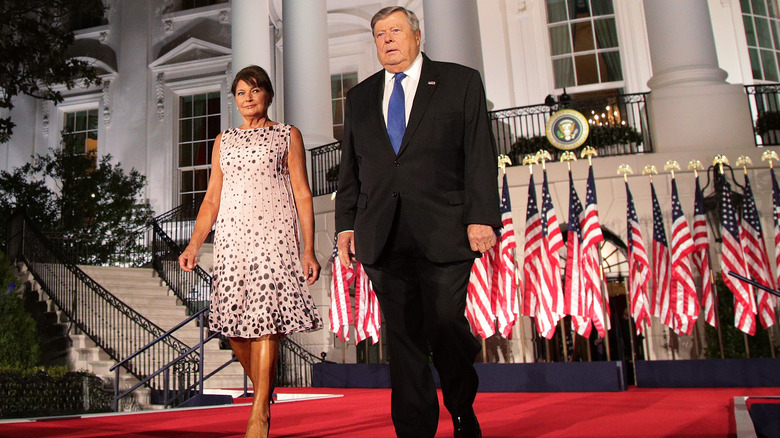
x,y
431,82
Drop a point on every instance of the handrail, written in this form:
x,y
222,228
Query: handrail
x,y
192,288
109,322
182,393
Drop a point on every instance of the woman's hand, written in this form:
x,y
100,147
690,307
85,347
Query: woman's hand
x,y
310,267
189,259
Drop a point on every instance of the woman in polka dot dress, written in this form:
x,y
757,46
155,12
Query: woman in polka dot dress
x,y
258,195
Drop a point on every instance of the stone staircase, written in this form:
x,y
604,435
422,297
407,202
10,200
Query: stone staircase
x,y
141,290
66,345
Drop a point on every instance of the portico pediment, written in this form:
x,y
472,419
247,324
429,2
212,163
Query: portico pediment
x,y
191,51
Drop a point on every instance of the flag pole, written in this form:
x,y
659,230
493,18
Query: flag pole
x,y
717,315
603,307
563,340
630,327
519,313
647,343
381,353
547,349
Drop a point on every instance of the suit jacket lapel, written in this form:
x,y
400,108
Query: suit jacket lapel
x,y
378,116
425,89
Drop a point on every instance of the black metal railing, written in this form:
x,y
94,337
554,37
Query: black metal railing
x,y
192,288
110,323
764,104
296,364
619,126
325,168
178,223
182,385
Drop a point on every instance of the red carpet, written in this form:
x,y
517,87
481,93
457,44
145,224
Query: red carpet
x,y
366,413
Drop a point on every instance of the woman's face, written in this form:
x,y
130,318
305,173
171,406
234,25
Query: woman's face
x,y
251,101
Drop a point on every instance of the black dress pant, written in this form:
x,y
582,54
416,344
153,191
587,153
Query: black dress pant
x,y
423,304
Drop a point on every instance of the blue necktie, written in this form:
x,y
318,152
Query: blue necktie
x,y
396,114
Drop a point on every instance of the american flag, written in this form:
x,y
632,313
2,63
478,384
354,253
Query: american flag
x,y
552,243
504,268
683,303
367,318
479,310
576,301
340,309
756,257
701,257
733,259
535,287
638,268
591,240
532,262
776,217
661,265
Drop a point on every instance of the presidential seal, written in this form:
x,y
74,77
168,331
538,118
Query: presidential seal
x,y
567,129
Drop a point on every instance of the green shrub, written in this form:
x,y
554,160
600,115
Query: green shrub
x,y
19,344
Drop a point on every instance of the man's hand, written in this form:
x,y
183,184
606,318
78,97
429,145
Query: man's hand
x,y
346,247
481,237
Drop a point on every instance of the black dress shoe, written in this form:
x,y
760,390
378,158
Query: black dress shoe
x,y
466,426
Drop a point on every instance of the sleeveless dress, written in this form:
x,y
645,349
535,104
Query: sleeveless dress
x,y
259,287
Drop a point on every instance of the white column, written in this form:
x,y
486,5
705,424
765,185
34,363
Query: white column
x,y
682,45
251,42
691,106
452,32
307,100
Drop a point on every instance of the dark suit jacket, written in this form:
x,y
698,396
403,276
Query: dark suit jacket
x,y
445,174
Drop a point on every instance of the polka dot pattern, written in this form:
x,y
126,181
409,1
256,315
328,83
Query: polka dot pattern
x,y
259,285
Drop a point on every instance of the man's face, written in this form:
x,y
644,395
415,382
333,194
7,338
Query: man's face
x,y
396,45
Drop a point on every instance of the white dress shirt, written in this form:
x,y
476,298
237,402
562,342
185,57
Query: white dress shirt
x,y
410,87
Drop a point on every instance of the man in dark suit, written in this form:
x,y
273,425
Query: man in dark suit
x,y
417,202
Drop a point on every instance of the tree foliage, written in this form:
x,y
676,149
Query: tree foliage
x,y
95,204
19,346
33,49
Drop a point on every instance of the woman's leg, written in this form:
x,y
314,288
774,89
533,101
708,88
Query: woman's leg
x,y
242,348
264,355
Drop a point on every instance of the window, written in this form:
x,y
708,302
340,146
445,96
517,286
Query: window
x,y
762,29
85,16
340,84
199,124
80,135
583,42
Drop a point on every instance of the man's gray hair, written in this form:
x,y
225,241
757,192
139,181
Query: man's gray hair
x,y
385,12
